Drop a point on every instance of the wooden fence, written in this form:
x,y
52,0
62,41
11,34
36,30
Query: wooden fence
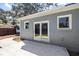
x,y
7,31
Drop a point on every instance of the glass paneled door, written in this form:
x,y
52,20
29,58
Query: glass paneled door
x,y
41,31
37,29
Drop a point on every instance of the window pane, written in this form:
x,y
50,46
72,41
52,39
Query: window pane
x,y
64,22
26,25
37,29
44,29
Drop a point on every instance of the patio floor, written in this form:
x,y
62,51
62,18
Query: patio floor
x,y
43,49
30,48
13,48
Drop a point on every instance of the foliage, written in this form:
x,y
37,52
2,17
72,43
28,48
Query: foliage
x,y
5,21
23,9
13,22
3,16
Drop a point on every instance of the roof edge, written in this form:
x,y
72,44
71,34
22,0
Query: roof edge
x,y
52,11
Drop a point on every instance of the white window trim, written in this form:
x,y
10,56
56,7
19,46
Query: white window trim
x,y
24,23
70,22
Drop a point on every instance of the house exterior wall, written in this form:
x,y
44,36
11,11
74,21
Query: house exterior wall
x,y
67,38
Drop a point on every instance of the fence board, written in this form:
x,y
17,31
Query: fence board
x,y
7,31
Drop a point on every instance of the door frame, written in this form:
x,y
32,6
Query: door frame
x,y
40,22
36,38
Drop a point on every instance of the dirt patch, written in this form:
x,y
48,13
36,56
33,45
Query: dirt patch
x,y
9,36
6,36
17,39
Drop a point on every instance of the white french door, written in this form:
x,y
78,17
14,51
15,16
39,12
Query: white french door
x,y
41,31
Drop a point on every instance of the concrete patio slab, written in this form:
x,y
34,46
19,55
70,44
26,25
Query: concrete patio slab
x,y
13,48
43,49
29,48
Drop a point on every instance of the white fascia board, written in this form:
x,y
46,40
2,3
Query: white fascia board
x,y
49,12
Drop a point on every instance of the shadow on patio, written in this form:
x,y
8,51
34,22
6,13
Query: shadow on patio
x,y
42,49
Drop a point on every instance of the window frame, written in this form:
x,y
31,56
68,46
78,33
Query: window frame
x,y
25,24
70,22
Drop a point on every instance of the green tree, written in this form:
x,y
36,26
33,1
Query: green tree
x,y
5,21
3,16
23,9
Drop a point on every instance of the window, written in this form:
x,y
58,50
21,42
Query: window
x,y
26,25
64,22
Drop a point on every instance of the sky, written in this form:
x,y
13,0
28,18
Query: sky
x,y
5,6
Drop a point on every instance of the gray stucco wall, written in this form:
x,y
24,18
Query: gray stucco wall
x,y
67,38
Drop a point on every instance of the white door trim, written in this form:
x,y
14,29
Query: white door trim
x,y
48,31
40,22
37,38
